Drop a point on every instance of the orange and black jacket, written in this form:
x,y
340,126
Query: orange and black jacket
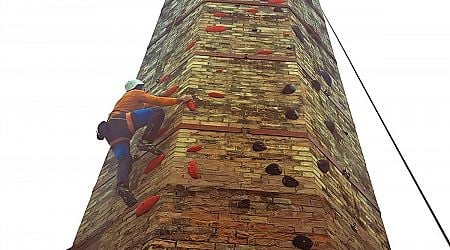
x,y
120,122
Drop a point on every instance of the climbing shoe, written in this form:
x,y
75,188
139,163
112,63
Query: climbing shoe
x,y
126,195
147,146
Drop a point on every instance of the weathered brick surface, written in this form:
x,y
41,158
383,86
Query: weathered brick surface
x,y
335,211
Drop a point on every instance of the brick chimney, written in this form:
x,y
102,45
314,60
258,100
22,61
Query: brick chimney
x,y
278,158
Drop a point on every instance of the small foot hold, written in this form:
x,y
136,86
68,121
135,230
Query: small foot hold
x,y
146,146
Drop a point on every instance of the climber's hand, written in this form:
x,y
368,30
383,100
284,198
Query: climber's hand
x,y
184,99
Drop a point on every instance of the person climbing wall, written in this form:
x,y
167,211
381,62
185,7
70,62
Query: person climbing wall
x,y
133,111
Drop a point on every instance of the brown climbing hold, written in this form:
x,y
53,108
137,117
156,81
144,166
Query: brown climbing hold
x,y
192,169
194,148
289,181
170,91
253,10
217,28
219,14
291,114
264,52
323,165
146,205
191,105
330,126
154,163
276,1
191,45
216,95
302,242
245,204
219,70
273,169
163,78
316,85
289,89
259,146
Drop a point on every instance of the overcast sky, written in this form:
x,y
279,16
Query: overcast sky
x,y
63,64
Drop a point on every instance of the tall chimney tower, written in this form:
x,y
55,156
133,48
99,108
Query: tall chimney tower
x,y
274,159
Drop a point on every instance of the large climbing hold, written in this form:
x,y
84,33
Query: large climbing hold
x,y
289,89
171,91
302,242
273,169
146,205
330,126
323,165
154,163
316,85
291,114
216,28
193,170
289,181
259,146
194,148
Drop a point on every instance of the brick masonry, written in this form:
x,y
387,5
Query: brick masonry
x,y
336,210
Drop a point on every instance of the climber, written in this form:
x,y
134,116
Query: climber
x,y
133,111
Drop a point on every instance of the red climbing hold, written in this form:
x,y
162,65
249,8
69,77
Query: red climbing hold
x,y
170,91
216,95
219,70
276,1
253,10
219,14
146,205
217,28
194,148
154,163
191,45
191,105
163,78
264,52
192,169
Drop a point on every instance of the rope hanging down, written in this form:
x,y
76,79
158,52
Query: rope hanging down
x,y
388,132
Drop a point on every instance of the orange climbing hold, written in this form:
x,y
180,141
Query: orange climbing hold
x,y
219,70
276,1
154,163
163,78
192,169
217,28
191,105
191,45
264,52
170,91
219,14
253,10
216,95
146,205
194,148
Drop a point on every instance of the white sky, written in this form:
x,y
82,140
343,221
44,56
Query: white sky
x,y
63,64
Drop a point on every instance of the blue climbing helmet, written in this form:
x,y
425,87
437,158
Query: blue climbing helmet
x,y
131,84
